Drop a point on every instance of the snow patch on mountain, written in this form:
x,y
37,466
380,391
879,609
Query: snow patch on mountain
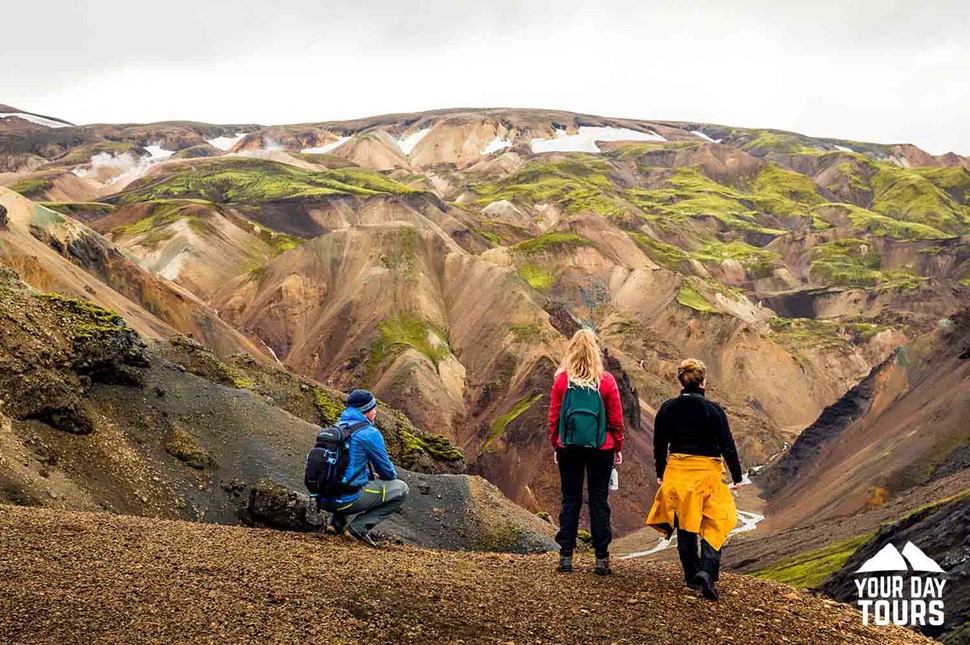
x,y
495,145
33,118
407,143
844,149
333,145
225,143
698,133
585,140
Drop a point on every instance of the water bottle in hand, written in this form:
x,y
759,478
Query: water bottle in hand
x,y
614,480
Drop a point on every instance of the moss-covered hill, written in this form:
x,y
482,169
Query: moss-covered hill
x,y
441,260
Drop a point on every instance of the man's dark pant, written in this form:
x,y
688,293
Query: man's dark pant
x,y
596,465
709,561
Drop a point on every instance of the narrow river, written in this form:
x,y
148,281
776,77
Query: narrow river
x,y
749,521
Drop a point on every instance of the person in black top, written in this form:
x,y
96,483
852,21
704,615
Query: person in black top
x,y
692,425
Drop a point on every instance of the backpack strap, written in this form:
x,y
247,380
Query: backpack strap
x,y
352,429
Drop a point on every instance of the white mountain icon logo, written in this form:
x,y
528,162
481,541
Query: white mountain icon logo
x,y
890,559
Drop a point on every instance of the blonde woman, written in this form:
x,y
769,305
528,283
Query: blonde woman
x,y
586,431
691,435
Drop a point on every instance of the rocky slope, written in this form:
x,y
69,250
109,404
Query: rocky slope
x,y
198,582
55,252
442,258
912,430
887,463
93,419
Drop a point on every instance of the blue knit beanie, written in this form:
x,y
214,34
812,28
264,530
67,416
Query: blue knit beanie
x,y
362,400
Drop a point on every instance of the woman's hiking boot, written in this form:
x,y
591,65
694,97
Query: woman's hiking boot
x,y
706,583
602,567
565,564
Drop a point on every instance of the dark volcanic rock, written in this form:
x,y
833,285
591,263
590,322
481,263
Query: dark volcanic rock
x,y
628,393
3,216
275,506
560,318
54,348
833,420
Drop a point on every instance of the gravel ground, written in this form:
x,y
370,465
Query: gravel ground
x,y
70,577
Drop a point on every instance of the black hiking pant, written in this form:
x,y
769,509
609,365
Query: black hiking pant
x,y
596,465
708,562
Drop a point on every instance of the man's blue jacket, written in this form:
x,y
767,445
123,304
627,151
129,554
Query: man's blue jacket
x,y
367,451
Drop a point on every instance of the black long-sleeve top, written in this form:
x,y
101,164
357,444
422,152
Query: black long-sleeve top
x,y
692,425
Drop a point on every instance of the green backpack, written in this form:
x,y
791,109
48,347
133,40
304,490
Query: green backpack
x,y
582,419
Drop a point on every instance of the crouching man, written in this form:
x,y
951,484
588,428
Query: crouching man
x,y
366,491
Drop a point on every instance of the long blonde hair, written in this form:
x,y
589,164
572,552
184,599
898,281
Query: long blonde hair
x,y
584,360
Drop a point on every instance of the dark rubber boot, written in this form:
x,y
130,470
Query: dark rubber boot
x,y
707,585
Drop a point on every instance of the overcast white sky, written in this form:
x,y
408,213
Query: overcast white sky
x,y
876,70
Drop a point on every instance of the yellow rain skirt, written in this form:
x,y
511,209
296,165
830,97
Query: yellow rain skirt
x,y
694,498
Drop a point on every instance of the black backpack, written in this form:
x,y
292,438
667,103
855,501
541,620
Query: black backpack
x,y
326,463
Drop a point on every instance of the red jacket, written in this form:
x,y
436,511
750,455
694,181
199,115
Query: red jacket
x,y
611,401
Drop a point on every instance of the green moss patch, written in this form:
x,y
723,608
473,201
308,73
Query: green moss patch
x,y
501,537
84,320
31,187
666,255
577,184
812,568
435,446
401,251
498,426
763,141
183,446
256,181
164,213
852,262
689,296
757,262
403,331
538,277
883,226
550,242
80,209
328,406
805,333
689,194
528,334
911,195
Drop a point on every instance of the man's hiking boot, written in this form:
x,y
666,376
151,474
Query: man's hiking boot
x,y
565,564
363,536
602,567
708,589
335,529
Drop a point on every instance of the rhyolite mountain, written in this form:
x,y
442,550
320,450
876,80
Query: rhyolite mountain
x,y
443,258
